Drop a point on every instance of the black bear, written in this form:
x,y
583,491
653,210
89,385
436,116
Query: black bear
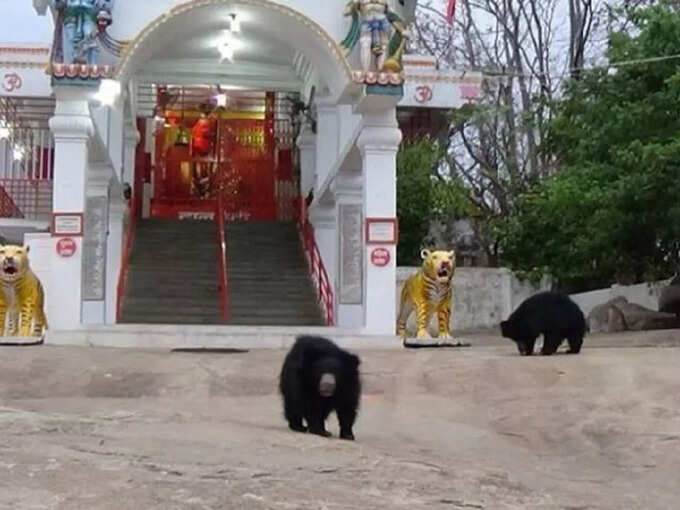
x,y
316,378
551,314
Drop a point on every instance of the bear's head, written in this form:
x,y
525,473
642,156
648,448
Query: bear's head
x,y
13,262
330,373
439,265
510,330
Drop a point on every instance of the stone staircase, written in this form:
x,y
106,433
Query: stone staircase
x,y
173,276
268,279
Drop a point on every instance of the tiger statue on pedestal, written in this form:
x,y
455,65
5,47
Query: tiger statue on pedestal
x,y
22,299
429,290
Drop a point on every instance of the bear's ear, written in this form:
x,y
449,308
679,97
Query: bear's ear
x,y
355,360
452,254
424,254
27,248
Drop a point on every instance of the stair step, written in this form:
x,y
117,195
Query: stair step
x,y
174,275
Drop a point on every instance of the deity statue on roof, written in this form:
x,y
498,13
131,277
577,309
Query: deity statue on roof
x,y
77,27
373,22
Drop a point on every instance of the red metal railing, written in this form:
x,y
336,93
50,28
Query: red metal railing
x,y
26,172
316,266
26,198
220,219
128,243
142,165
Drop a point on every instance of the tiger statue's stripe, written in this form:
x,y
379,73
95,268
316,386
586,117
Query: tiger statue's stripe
x,y
427,291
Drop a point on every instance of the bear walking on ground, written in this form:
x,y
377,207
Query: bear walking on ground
x,y
551,314
318,377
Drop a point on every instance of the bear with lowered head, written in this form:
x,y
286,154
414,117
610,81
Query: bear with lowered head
x,y
318,377
551,314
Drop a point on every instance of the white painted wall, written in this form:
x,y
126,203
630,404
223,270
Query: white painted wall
x,y
327,13
645,294
61,298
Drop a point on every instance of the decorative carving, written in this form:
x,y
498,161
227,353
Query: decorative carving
x,y
373,22
22,299
351,255
77,27
94,248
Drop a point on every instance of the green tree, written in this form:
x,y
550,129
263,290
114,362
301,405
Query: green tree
x,y
416,162
612,212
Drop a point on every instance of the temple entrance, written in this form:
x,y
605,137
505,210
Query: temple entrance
x,y
223,88
239,146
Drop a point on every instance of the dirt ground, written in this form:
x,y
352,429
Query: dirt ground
x,y
474,428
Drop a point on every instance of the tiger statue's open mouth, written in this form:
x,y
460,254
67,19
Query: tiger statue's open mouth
x,y
9,268
444,272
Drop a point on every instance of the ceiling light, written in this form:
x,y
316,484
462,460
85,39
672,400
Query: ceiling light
x,y
108,93
4,132
19,153
221,100
235,25
226,51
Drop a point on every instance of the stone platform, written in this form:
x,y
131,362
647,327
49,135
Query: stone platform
x,y
145,336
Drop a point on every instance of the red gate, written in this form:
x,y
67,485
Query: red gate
x,y
249,161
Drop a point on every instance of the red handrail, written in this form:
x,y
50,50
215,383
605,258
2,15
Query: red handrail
x,y
316,266
220,219
128,242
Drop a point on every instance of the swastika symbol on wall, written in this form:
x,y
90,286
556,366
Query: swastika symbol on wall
x,y
12,82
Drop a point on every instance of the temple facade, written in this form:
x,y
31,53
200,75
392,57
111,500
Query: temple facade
x,y
237,128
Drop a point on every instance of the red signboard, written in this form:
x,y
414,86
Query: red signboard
x,y
380,257
66,247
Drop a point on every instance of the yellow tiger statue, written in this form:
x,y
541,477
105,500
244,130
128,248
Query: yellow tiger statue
x,y
22,299
429,290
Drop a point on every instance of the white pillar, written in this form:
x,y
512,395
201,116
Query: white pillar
x,y
326,139
347,124
306,143
348,188
72,129
95,243
114,255
379,142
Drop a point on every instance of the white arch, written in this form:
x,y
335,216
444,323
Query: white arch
x,y
324,53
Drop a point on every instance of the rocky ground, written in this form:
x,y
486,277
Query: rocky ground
x,y
473,428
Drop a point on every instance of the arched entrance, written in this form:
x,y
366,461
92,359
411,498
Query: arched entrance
x,y
199,23
223,135
175,64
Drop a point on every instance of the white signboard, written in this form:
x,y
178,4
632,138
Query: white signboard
x,y
67,224
449,93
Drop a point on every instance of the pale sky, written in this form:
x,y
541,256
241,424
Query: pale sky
x,y
20,24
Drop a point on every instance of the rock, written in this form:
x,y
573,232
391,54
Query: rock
x,y
607,318
639,318
620,315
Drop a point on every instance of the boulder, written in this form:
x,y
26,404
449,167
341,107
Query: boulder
x,y
620,315
607,318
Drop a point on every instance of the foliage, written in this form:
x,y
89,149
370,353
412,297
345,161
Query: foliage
x,y
521,48
612,213
423,196
415,163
